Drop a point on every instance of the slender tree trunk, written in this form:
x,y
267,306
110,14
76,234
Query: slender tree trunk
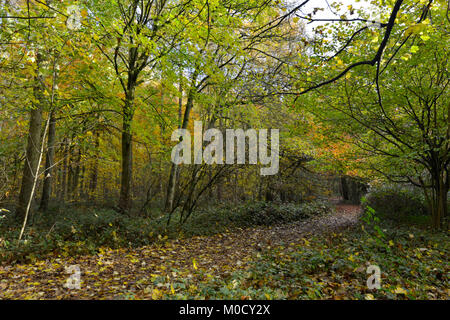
x,y
174,169
57,190
171,188
65,171
70,172
49,161
34,182
76,175
219,192
94,175
444,195
82,183
260,188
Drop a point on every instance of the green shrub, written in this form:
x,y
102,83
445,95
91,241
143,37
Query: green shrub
x,y
73,232
396,202
258,214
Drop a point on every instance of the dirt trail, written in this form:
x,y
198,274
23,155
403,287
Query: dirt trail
x,y
345,215
115,273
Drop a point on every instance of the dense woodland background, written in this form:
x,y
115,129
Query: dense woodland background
x,y
91,91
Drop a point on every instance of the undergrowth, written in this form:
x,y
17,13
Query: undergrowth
x,y
84,231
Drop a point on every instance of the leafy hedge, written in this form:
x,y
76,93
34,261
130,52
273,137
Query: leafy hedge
x,y
397,202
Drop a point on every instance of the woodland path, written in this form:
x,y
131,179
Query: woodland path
x,y
116,274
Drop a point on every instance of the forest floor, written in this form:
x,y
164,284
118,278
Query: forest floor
x,y
209,266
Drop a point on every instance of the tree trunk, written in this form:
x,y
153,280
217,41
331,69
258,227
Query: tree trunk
x,y
127,156
171,188
439,202
344,188
33,146
174,170
65,171
82,183
70,170
76,175
49,161
94,174
437,197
